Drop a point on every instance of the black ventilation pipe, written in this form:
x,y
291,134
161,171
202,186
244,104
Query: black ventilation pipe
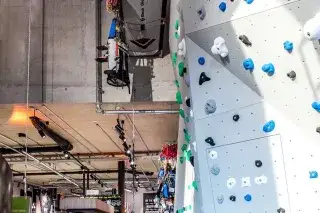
x,y
43,127
79,173
37,149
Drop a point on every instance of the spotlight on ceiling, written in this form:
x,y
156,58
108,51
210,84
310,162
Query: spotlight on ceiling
x,y
41,133
66,154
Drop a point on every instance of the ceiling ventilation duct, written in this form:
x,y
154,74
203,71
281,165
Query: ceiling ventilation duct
x,y
5,186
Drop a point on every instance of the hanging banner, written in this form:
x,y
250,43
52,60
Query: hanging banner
x,y
21,205
148,203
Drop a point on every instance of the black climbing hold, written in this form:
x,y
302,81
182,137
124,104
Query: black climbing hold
x,y
245,40
188,102
203,78
258,163
281,210
318,129
292,75
210,141
232,198
236,117
192,160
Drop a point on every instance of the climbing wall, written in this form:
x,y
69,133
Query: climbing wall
x,y
252,125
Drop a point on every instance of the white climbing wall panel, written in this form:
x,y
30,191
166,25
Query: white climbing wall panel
x,y
288,153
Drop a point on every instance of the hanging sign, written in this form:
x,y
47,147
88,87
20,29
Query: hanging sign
x,y
148,203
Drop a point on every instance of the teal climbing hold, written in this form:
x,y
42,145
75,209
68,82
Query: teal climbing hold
x,y
288,45
185,131
316,105
195,185
176,25
186,119
188,155
181,69
249,1
181,113
179,97
269,126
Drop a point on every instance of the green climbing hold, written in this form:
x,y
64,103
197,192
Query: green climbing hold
x,y
187,138
177,83
189,207
195,185
184,147
174,58
179,97
181,159
176,35
186,119
176,25
185,131
181,113
181,69
188,155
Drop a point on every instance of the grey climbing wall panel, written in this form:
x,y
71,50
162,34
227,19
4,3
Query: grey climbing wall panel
x,y
239,176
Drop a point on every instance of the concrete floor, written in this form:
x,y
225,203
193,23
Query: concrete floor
x,y
62,66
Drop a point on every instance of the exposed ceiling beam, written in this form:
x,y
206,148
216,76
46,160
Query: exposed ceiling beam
x,y
81,172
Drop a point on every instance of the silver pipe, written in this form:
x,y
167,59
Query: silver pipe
x,y
139,111
37,161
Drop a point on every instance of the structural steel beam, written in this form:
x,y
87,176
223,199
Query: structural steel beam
x,y
109,171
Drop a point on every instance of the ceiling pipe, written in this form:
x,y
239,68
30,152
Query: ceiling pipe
x,y
138,111
80,172
37,149
55,172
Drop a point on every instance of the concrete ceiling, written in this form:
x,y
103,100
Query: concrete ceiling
x,y
90,133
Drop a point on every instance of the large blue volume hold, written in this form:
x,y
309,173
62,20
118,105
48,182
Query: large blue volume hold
x,y
113,30
269,126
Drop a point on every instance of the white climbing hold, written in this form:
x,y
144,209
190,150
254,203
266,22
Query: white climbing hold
x,y
182,50
231,182
261,180
312,28
194,146
178,31
191,113
213,155
219,47
245,182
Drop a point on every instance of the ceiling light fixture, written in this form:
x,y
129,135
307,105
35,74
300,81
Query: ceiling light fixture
x,y
41,133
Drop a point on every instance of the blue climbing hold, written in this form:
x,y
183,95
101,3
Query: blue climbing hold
x,y
201,60
248,64
316,105
288,46
249,1
313,174
223,6
269,126
248,197
268,68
